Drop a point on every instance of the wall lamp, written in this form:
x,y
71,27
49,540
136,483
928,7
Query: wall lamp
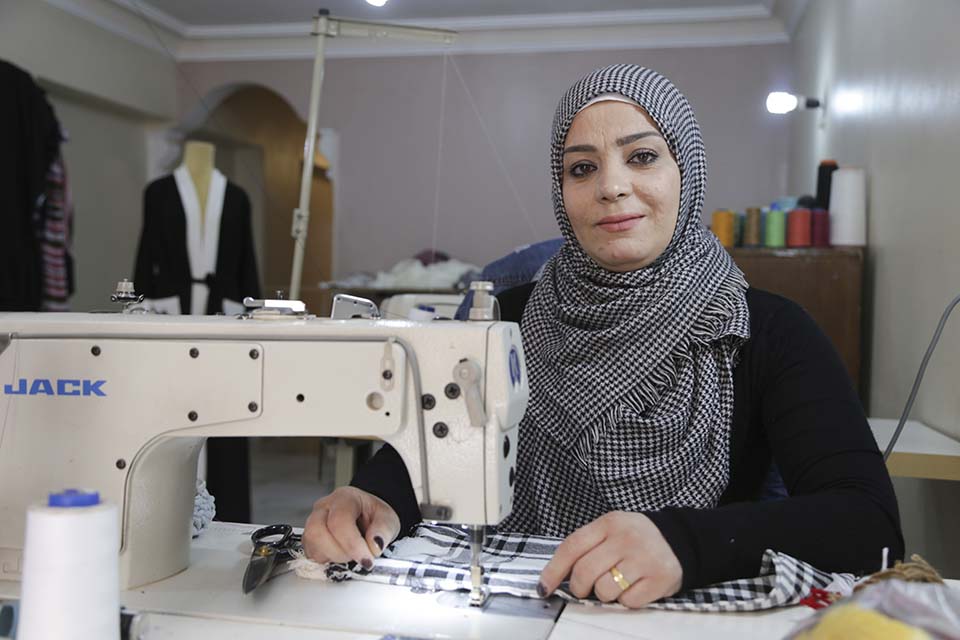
x,y
780,102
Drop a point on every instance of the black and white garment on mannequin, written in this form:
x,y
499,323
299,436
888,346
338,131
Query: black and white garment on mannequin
x,y
203,235
193,261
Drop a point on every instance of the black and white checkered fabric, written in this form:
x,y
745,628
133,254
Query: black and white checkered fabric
x,y
631,374
437,558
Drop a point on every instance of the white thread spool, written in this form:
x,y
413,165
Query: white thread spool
x,y
848,207
483,300
71,570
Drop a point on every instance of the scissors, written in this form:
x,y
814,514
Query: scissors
x,y
272,544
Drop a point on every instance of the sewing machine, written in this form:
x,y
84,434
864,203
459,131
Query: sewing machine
x,y
122,402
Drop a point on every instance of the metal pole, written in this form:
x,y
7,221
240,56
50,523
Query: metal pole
x,y
301,215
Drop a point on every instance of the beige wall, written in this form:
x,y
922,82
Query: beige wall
x,y
386,112
60,48
901,57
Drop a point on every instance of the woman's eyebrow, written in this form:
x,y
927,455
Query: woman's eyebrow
x,y
636,136
586,148
625,140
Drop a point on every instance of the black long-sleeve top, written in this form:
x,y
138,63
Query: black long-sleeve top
x,y
794,405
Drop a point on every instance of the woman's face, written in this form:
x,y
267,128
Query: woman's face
x,y
621,185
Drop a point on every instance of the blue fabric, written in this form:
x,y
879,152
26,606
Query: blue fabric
x,y
520,266
773,486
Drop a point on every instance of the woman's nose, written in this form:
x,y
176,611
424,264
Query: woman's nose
x,y
612,185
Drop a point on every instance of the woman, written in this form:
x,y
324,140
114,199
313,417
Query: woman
x,y
662,387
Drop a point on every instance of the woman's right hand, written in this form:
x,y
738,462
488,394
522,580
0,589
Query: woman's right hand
x,y
349,524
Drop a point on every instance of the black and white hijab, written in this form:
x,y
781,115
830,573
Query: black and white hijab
x,y
631,374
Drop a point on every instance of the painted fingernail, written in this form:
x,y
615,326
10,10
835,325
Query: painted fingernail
x,y
367,563
379,542
541,590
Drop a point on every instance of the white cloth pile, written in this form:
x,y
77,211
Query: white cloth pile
x,y
411,274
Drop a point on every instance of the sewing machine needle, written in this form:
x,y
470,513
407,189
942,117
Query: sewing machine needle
x,y
478,593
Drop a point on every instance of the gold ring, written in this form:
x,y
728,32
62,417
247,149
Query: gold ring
x,y
622,582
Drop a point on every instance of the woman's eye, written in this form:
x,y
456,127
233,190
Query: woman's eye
x,y
581,169
644,157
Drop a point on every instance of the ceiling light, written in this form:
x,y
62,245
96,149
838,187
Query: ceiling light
x,y
377,3
780,102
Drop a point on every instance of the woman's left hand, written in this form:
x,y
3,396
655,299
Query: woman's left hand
x,y
629,542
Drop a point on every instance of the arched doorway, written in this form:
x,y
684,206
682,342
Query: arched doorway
x,y
260,142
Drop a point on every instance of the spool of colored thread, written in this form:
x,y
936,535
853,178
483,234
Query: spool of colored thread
x,y
723,226
799,228
776,228
752,228
737,229
821,228
824,179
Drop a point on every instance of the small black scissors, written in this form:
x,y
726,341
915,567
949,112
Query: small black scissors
x,y
271,545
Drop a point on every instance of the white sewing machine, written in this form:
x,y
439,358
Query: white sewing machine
x,y
122,402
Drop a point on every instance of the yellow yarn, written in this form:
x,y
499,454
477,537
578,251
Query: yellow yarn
x,y
849,622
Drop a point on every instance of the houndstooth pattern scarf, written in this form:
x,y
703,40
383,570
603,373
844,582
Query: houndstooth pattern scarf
x,y
631,374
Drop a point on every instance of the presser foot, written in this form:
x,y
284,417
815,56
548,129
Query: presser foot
x,y
478,597
478,592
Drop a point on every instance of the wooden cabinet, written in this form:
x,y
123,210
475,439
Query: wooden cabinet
x,y
827,282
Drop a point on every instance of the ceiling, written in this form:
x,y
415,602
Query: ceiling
x,y
208,30
234,12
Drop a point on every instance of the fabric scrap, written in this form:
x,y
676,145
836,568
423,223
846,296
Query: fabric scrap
x,y
204,508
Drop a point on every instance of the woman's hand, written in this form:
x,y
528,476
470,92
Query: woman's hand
x,y
628,541
349,524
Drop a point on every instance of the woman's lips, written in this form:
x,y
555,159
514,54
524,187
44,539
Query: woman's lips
x,y
620,222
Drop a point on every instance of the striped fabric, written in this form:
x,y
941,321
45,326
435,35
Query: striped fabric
x,y
437,558
54,231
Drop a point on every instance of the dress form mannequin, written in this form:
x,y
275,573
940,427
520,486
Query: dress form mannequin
x,y
196,256
198,159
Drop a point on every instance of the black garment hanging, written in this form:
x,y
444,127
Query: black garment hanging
x,y
163,259
29,143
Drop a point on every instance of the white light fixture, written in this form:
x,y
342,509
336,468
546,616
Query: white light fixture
x,y
848,101
377,3
780,102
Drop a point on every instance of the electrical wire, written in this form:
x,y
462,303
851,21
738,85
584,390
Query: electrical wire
x,y
920,372
496,152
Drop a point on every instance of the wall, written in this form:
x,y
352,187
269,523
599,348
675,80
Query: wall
x,y
74,53
901,62
387,114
